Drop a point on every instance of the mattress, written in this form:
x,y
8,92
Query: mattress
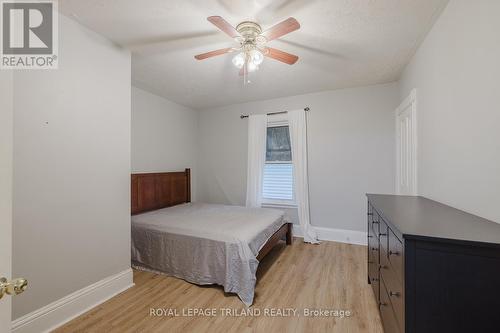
x,y
205,243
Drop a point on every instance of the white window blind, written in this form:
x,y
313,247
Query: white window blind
x,y
278,170
278,181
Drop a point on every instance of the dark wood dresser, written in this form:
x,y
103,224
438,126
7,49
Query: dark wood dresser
x,y
433,268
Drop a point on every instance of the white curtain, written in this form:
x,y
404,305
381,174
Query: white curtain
x,y
257,134
298,139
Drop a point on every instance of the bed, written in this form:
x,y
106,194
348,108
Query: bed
x,y
200,243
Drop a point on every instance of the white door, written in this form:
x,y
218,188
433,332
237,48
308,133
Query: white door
x,y
406,146
6,144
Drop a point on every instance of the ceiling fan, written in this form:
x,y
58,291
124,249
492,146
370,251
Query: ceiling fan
x,y
252,40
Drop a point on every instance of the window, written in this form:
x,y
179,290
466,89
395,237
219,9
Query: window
x,y
278,171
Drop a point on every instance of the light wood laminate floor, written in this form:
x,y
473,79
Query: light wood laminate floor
x,y
329,276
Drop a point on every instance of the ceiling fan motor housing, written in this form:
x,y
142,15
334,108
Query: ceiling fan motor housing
x,y
250,32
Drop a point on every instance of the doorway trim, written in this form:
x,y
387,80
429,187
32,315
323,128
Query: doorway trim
x,y
411,103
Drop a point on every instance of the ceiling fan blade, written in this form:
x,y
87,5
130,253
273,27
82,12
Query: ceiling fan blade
x,y
282,56
213,53
281,29
223,25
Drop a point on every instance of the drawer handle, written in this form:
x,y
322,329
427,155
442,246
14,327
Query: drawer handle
x,y
376,222
393,253
394,293
374,279
374,249
370,214
382,234
370,236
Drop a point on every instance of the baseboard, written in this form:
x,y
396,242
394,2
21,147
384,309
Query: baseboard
x,y
63,310
336,235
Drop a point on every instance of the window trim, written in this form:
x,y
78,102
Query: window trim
x,y
273,203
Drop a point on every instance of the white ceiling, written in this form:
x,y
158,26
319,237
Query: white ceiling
x,y
341,44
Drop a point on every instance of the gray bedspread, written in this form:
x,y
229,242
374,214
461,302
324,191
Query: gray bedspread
x,y
205,243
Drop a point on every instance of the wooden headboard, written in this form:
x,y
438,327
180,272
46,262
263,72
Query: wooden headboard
x,y
152,191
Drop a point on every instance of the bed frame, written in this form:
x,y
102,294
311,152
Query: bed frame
x,y
151,191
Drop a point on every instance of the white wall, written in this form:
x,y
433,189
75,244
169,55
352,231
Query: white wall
x,y
6,146
456,72
71,169
351,151
164,135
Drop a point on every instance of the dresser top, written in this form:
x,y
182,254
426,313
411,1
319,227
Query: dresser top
x,y
418,216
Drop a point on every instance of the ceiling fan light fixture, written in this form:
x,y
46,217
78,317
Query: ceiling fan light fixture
x,y
256,57
239,60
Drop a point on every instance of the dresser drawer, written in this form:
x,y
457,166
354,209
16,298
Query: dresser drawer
x,y
382,228
384,258
373,251
384,253
386,311
370,213
395,292
371,233
375,221
384,243
395,255
373,275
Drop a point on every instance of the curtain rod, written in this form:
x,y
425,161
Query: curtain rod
x,y
271,113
